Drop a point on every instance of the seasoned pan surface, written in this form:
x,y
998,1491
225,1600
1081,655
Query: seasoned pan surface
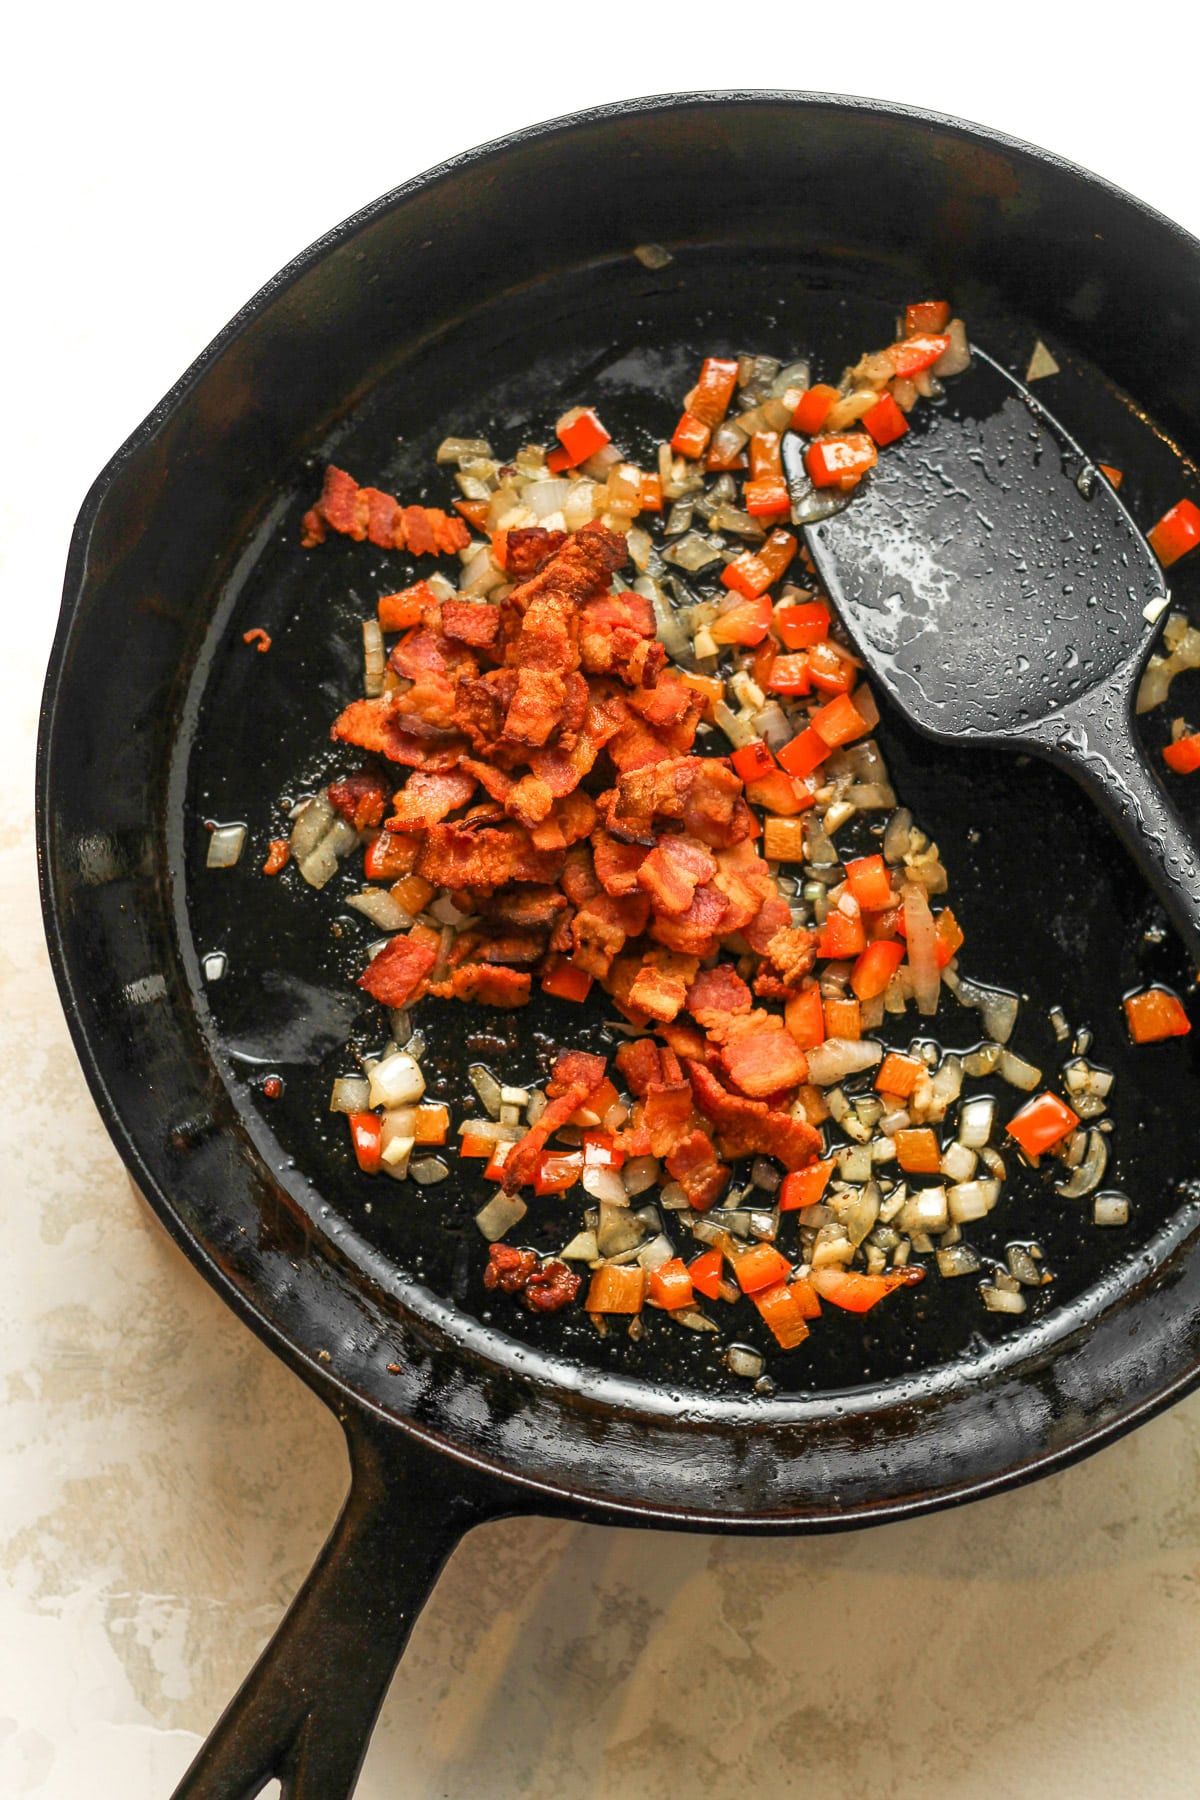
x,y
1049,904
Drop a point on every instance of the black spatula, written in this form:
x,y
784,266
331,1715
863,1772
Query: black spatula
x,y
999,592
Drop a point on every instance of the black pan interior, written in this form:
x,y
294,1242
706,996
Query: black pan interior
x,y
485,296
1049,903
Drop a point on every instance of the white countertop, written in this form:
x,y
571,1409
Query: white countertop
x,y
165,1482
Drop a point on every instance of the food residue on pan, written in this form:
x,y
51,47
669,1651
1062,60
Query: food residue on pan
x,y
581,772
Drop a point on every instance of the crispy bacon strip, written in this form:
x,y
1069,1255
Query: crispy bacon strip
x,y
368,513
426,798
397,974
576,1078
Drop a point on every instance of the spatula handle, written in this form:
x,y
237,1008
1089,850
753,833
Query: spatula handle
x,y
1095,741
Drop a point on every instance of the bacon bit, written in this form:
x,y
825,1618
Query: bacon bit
x,y
397,975
272,1087
426,798
765,1061
487,984
693,1164
361,798
259,638
368,513
577,1076
278,856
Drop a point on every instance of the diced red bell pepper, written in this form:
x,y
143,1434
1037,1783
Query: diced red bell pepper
x,y
875,968
594,1108
767,498
859,1293
557,1171
748,623
726,459
581,434
917,353
753,573
279,855
838,721
390,856
707,1273
651,493
841,461
565,981
475,512
814,408
400,612
671,1285
1155,1014
709,399
869,881
843,1017
804,754
918,1152
472,1146
366,1134
765,455
500,1154
690,437
1184,754
830,670
1177,532
753,761
615,1289
801,626
949,937
780,793
760,1267
1115,476
885,421
600,1152
779,1308
841,937
804,1187
804,1016
899,1075
926,315
1042,1123
789,675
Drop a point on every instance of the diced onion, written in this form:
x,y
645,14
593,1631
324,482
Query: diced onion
x,y
836,1058
744,1362
658,1251
461,450
487,1087
490,1131
427,1172
1110,1209
311,824
968,1200
639,1174
957,355
921,937
975,1120
374,661
582,1248
501,1213
1090,1171
1000,1300
350,1094
1017,1072
959,1259
381,908
225,846
396,1081
605,1184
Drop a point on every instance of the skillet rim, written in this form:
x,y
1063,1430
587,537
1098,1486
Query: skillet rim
x,y
337,1390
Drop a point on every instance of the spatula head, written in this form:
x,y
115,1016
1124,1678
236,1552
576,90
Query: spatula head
x,y
986,570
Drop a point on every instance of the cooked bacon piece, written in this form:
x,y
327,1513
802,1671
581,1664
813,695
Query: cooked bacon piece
x,y
773,917
528,548
373,725
480,705
617,864
516,949
361,512
666,1114
570,819
716,994
693,1164
792,951
684,1038
612,631
494,782
360,798
578,879
640,1063
549,633
397,974
524,908
508,1268
575,1079
698,931
667,703
673,870
458,856
662,984
766,1060
426,798
531,803
551,1287
535,711
601,927
470,622
745,1127
487,984
701,791
561,769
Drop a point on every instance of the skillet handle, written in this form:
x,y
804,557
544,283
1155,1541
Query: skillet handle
x,y
306,1711
1095,740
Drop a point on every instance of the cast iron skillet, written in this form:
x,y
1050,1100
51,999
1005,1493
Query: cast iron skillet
x,y
492,292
